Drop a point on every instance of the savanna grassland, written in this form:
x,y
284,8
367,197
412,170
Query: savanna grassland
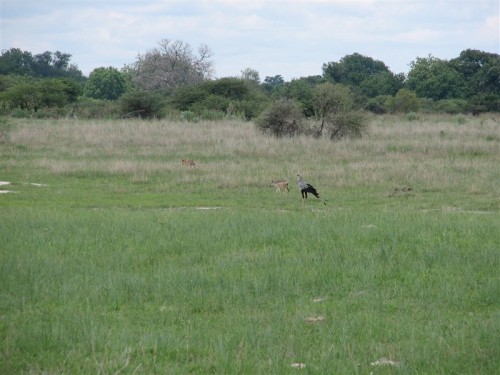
x,y
117,259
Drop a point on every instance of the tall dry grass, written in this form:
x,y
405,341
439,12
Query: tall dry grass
x,y
432,152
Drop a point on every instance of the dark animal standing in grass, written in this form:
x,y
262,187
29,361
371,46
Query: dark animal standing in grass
x,y
307,188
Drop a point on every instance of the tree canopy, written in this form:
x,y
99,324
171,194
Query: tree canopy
x,y
435,78
369,76
176,79
105,83
44,65
171,65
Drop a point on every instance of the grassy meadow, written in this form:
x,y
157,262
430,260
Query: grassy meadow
x,y
117,259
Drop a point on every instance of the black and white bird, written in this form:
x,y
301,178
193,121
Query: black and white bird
x,y
307,188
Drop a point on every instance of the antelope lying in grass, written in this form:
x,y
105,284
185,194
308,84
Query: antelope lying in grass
x,y
188,163
280,185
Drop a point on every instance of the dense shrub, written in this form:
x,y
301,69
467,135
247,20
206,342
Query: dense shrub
x,y
352,124
34,94
378,104
283,118
403,102
93,108
452,106
187,96
231,96
142,104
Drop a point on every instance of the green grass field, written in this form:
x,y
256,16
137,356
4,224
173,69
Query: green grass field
x,y
116,259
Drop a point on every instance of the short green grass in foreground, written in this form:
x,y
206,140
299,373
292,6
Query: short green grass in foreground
x,y
126,262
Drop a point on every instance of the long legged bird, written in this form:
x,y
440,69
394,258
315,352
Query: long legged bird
x,y
307,188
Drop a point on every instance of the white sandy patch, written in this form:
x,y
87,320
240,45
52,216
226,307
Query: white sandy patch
x,y
315,319
384,362
2,183
318,299
37,184
6,191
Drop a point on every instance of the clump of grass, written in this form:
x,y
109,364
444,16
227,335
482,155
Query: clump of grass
x,y
412,116
6,127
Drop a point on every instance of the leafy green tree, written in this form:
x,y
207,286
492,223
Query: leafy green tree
x,y
330,99
43,65
243,97
250,75
55,64
382,83
270,83
367,77
314,80
301,91
335,110
71,88
481,71
435,78
353,69
15,61
105,83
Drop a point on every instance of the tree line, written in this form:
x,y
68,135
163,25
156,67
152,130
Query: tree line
x,y
174,81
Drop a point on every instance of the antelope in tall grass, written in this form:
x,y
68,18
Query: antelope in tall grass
x,y
188,163
280,185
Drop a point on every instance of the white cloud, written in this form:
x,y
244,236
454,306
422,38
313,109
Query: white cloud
x,y
292,38
490,30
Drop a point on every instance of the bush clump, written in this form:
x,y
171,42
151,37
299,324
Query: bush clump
x,y
282,118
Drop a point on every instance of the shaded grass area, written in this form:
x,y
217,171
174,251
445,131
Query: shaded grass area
x,y
123,261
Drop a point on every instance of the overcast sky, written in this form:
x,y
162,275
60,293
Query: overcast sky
x,y
293,38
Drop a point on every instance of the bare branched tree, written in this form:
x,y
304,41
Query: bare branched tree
x,y
171,65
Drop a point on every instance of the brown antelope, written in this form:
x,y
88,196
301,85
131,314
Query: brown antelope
x,y
188,163
280,185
